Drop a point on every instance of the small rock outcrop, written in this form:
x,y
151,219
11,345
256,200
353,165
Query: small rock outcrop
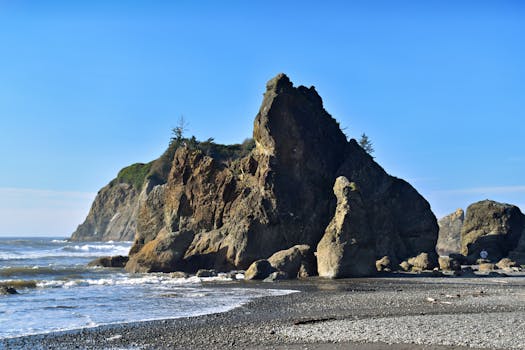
x,y
493,227
110,261
7,290
347,248
449,240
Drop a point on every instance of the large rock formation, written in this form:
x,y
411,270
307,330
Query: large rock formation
x,y
278,196
493,227
112,216
449,240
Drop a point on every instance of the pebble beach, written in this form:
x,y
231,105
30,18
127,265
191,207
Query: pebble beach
x,y
396,312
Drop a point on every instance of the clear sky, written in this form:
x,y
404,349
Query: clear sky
x,y
88,87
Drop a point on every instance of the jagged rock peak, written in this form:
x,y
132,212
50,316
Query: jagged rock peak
x,y
279,83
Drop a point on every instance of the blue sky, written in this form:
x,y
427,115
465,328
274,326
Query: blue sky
x,y
89,87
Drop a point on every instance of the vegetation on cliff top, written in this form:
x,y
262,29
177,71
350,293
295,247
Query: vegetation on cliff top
x,y
134,174
158,170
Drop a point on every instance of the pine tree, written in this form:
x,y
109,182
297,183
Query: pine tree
x,y
366,144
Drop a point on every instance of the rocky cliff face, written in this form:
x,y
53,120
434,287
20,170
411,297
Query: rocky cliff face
x,y
278,196
112,216
449,240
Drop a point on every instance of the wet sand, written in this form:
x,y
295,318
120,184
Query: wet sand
x,y
407,312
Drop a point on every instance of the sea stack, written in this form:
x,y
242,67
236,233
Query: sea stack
x,y
208,206
279,195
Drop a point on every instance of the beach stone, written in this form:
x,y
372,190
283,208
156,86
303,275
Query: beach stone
x,y
293,259
206,273
259,270
506,263
449,239
276,276
347,248
424,261
486,267
444,263
491,226
384,264
405,266
110,261
6,290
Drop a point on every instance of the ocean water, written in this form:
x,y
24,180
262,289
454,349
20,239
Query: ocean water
x,y
59,292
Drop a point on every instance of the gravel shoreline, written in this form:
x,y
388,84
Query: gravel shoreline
x,y
375,313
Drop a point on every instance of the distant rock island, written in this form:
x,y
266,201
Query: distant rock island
x,y
300,183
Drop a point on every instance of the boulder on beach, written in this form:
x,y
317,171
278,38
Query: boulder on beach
x,y
449,263
492,227
259,270
163,254
297,261
424,261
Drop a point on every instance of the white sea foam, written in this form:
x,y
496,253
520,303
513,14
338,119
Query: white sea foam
x,y
85,250
123,280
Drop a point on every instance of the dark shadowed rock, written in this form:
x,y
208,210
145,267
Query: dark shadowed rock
x,y
295,261
110,261
462,259
206,273
493,227
6,290
259,270
347,248
277,276
518,253
449,240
